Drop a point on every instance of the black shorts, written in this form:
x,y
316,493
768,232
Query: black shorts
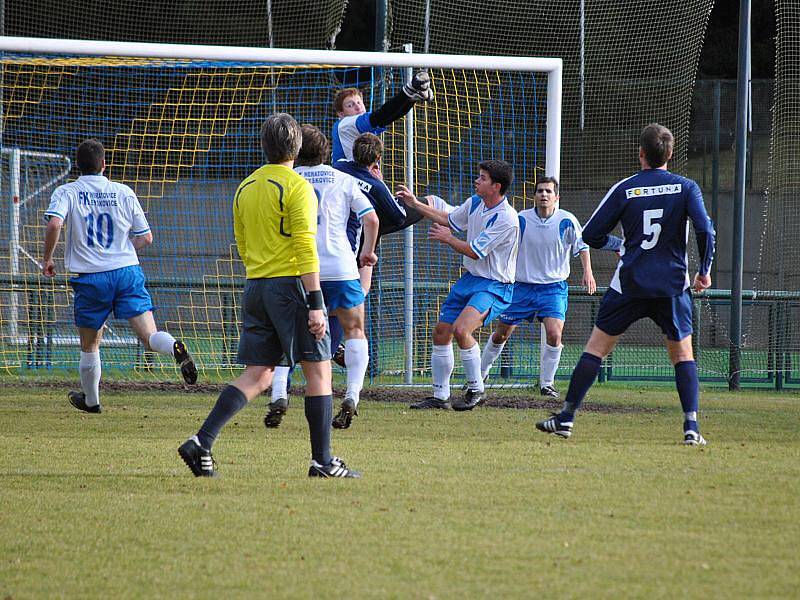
x,y
275,325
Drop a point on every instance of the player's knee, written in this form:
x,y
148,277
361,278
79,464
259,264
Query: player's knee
x,y
554,339
462,333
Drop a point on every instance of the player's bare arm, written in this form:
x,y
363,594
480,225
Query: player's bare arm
x,y
51,236
142,241
587,280
443,234
407,197
371,223
316,316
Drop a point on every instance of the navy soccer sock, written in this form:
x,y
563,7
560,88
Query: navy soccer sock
x,y
230,402
689,391
582,379
337,333
319,414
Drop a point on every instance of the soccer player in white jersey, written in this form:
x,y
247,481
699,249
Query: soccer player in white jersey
x,y
105,226
549,237
485,290
339,195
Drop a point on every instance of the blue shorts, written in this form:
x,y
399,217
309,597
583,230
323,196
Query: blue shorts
x,y
342,294
673,315
97,294
484,295
537,300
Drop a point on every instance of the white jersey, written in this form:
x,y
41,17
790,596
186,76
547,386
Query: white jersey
x,y
338,194
493,234
100,217
546,246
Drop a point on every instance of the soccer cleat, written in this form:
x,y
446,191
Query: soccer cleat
x,y
185,361
548,391
197,458
554,425
336,468
275,411
78,400
431,402
693,438
338,356
471,399
345,415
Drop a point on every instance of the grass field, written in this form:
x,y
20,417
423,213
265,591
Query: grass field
x,y
450,506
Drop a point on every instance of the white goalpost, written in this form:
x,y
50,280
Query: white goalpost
x,y
171,56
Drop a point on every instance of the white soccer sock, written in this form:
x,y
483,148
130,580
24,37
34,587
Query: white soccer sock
x,y
471,357
551,356
356,359
442,362
491,352
162,342
90,368
279,380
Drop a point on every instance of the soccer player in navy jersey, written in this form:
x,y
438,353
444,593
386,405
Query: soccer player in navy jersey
x,y
653,207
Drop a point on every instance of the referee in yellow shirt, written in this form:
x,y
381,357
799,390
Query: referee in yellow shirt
x,y
275,225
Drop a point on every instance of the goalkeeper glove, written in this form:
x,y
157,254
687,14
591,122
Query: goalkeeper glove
x,y
419,88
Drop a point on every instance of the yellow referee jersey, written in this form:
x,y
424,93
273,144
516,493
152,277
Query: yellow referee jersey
x,y
275,223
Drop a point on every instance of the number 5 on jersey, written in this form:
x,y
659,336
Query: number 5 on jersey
x,y
651,228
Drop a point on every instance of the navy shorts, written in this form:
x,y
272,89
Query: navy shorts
x,y
98,294
673,315
484,295
275,325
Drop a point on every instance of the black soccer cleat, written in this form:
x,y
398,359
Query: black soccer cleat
x,y
471,399
197,458
78,400
555,426
338,356
345,415
276,409
548,391
336,468
185,361
430,402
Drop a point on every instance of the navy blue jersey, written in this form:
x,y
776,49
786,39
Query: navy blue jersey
x,y
654,207
390,214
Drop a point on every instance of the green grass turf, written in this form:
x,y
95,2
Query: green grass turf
x,y
451,505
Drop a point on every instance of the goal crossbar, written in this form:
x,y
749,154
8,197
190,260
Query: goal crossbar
x,y
552,66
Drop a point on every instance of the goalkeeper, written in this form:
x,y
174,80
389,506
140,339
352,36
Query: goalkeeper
x,y
353,118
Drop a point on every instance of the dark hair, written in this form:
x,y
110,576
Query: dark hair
x,y
315,148
91,155
280,138
367,149
500,172
342,95
548,179
656,141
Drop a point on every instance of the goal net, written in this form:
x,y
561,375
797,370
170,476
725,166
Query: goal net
x,y
180,125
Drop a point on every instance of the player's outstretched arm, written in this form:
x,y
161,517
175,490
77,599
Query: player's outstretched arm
x,y
407,197
445,235
417,90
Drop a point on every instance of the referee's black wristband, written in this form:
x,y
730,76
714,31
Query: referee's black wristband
x,y
314,300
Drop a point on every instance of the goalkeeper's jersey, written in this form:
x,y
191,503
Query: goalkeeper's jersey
x,y
339,197
546,246
100,216
275,223
346,130
493,234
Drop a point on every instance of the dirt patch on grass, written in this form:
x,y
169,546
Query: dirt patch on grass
x,y
496,398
